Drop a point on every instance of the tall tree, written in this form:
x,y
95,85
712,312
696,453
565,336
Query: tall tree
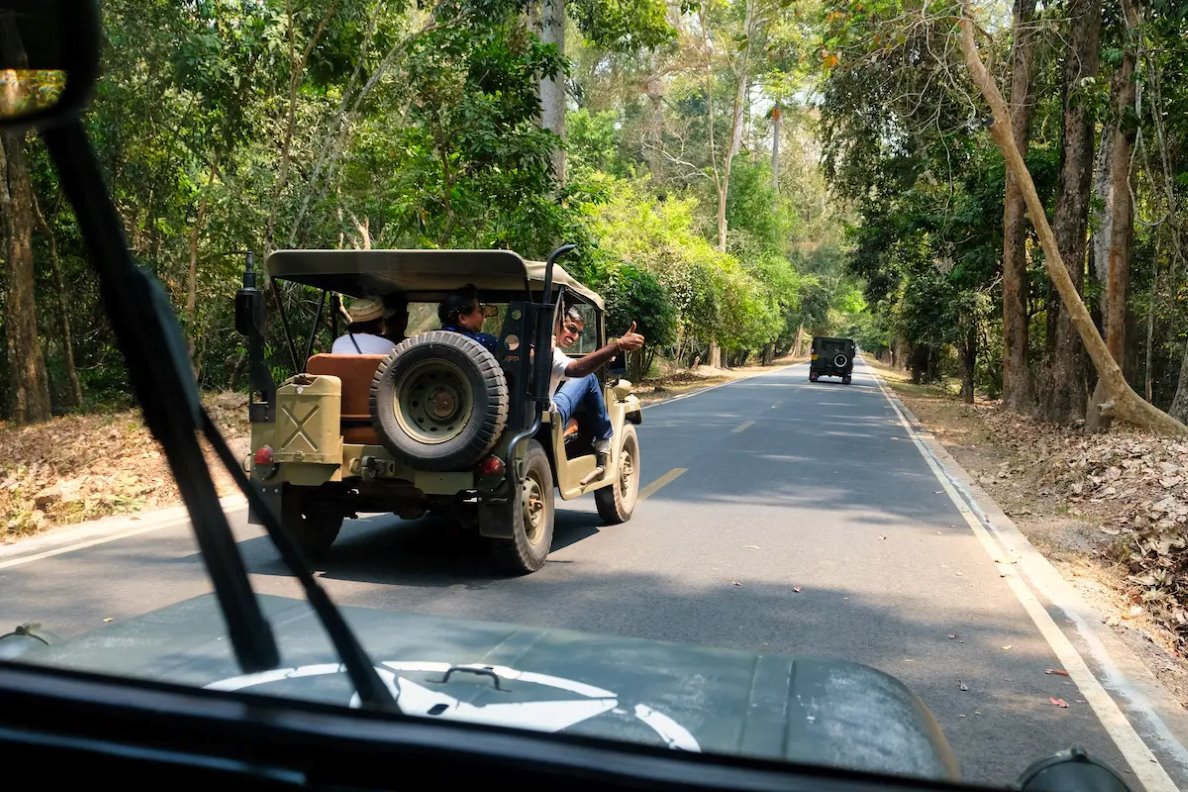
x,y
1119,230
1065,389
29,397
1123,401
1017,391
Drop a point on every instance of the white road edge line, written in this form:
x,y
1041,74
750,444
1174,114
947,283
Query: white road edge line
x,y
1142,761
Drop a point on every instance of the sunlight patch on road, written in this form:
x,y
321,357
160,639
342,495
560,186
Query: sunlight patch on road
x,y
664,480
742,427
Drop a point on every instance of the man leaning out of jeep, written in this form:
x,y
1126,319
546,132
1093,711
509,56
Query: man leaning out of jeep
x,y
579,384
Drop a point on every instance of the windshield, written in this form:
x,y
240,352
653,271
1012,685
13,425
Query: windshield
x,y
814,469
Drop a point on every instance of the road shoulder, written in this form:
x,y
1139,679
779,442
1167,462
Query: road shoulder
x,y
1147,704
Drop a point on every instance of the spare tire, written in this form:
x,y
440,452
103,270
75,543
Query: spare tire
x,y
439,401
840,360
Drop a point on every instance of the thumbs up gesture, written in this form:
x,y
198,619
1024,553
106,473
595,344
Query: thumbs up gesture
x,y
631,340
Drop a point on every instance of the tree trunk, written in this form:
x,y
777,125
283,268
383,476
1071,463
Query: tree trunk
x,y
195,235
297,64
30,398
1121,212
742,74
777,119
919,358
1065,386
1017,386
1148,375
76,394
1123,402
969,364
1179,405
552,89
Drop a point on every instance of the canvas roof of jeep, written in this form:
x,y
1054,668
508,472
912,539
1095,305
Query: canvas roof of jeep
x,y
424,274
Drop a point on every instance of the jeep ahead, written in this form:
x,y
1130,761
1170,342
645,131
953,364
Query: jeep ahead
x,y
832,357
441,423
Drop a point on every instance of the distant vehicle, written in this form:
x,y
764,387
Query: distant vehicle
x,y
832,357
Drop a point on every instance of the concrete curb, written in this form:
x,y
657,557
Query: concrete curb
x,y
66,537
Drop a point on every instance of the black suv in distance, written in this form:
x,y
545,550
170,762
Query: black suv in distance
x,y
832,357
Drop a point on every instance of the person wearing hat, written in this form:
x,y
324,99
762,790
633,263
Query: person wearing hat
x,y
365,328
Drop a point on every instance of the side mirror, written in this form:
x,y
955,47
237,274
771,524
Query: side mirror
x,y
49,60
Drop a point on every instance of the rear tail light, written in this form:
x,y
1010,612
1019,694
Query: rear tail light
x,y
491,466
263,455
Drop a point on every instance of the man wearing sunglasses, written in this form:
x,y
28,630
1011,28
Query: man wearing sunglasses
x,y
461,312
579,384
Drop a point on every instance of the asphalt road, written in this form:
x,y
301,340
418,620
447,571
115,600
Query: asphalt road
x,y
782,516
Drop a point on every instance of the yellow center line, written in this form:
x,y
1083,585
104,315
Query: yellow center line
x,y
743,427
664,480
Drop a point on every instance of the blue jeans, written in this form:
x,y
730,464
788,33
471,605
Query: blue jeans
x,y
584,391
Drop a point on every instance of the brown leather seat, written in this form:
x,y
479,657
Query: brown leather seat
x,y
356,373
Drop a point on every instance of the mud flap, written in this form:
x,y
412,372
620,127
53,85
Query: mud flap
x,y
272,500
497,518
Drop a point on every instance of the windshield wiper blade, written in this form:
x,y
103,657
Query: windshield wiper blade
x,y
372,690
159,370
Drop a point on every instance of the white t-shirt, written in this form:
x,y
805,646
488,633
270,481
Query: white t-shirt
x,y
368,345
561,362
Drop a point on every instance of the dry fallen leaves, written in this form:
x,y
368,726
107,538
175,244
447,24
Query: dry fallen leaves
x,y
1136,490
1056,671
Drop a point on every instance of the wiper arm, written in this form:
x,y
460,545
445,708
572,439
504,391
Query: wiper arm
x,y
371,689
159,368
163,383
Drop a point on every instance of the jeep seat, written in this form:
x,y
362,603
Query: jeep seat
x,y
356,373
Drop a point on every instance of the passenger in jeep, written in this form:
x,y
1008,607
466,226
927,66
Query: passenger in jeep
x,y
364,335
579,384
461,312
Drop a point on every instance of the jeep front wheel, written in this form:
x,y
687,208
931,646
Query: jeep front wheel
x,y
530,534
311,525
439,401
616,502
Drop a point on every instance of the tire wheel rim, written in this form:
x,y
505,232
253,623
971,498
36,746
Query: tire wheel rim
x,y
627,473
840,361
433,401
535,508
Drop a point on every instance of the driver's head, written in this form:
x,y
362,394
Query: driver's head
x,y
461,307
570,328
395,317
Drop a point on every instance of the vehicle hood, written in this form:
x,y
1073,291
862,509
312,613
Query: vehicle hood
x,y
685,697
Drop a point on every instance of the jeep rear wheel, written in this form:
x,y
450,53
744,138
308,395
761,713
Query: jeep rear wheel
x,y
439,401
616,502
313,526
530,513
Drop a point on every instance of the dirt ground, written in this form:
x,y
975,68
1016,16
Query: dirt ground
x,y
1086,502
